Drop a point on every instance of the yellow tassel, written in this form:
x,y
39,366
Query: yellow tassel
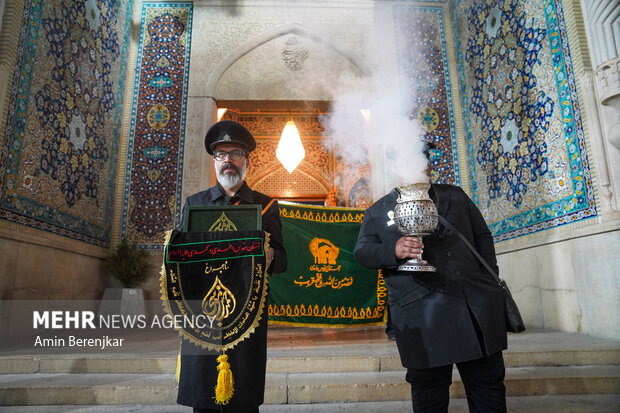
x,y
225,383
177,374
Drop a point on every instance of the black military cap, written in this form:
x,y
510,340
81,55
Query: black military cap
x,y
227,131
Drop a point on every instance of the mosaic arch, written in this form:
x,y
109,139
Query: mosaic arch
x,y
526,149
57,167
423,65
152,186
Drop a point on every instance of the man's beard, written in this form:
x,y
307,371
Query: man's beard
x,y
230,180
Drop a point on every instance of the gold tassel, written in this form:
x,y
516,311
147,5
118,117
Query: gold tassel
x,y
225,382
177,374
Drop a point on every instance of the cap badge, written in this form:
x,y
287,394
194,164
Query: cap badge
x,y
226,138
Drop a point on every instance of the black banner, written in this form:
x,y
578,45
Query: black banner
x,y
218,280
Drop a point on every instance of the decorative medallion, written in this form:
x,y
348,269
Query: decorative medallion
x,y
158,116
223,224
219,303
428,118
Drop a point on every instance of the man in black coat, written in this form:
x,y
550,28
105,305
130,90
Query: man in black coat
x,y
453,315
230,144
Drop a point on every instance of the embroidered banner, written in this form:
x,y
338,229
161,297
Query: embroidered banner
x,y
324,286
213,284
213,250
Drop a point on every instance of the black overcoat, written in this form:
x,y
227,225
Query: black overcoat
x,y
248,359
452,315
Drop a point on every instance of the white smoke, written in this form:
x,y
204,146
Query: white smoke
x,y
388,140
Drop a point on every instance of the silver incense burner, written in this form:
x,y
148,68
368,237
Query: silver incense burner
x,y
415,215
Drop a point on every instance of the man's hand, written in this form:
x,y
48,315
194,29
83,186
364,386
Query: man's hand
x,y
270,255
409,247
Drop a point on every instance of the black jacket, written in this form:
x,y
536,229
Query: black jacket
x,y
436,315
248,359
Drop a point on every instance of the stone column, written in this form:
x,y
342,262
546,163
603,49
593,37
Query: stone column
x,y
608,79
197,167
601,21
592,114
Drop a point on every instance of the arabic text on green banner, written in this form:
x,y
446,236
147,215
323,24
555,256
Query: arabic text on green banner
x,y
324,286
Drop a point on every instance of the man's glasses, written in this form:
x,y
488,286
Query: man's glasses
x,y
234,155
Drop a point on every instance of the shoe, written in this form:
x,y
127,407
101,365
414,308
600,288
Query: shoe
x,y
391,336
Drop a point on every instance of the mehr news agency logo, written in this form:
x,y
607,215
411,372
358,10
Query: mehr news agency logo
x,y
57,320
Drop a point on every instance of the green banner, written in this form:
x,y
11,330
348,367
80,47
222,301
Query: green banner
x,y
324,286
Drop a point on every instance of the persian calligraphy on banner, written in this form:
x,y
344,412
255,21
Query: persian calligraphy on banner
x,y
323,284
217,281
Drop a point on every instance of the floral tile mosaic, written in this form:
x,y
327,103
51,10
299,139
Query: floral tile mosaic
x,y
423,65
526,147
57,167
152,187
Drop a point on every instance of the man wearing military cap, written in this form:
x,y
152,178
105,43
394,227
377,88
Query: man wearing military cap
x,y
230,144
229,132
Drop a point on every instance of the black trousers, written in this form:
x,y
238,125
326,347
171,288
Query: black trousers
x,y
483,380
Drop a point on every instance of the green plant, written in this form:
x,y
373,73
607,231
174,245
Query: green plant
x,y
127,263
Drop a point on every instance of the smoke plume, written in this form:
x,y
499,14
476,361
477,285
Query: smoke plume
x,y
369,117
